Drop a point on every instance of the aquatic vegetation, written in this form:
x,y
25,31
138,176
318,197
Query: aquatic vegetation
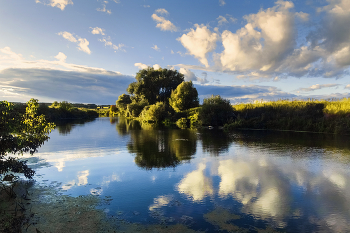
x,y
327,116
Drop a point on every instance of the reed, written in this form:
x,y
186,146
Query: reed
x,y
327,116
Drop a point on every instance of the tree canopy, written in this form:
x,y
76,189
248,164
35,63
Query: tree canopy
x,y
155,85
184,97
216,111
20,132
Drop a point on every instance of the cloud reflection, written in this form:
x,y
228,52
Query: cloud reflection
x,y
196,185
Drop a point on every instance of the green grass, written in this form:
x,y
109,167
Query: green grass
x,y
326,116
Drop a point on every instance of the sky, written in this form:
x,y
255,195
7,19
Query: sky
x,y
89,51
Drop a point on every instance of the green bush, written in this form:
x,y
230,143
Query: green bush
x,y
135,108
154,113
185,96
181,123
216,111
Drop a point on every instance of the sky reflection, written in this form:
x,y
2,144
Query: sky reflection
x,y
287,181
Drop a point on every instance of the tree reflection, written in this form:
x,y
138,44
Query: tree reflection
x,y
215,142
155,148
124,125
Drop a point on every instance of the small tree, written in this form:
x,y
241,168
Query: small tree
x,y
216,111
154,113
122,102
20,133
155,85
184,97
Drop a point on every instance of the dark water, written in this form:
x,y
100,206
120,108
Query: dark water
x,y
246,181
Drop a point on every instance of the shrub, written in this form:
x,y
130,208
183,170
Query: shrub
x,y
181,123
154,113
216,111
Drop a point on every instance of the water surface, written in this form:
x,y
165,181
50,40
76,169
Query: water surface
x,y
206,180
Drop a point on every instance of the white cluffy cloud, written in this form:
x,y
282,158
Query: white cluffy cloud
x,y
103,9
56,3
144,66
83,44
97,30
316,87
162,23
199,42
141,66
155,47
266,38
222,2
162,11
107,41
222,20
190,76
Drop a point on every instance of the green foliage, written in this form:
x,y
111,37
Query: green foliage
x,y
155,85
135,108
329,116
122,102
185,96
21,133
216,111
154,113
181,123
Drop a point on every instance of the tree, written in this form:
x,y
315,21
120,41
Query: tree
x,y
155,85
216,111
20,133
184,97
123,101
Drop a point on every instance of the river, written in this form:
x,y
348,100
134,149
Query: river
x,y
206,180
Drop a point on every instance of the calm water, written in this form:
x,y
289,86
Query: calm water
x,y
207,180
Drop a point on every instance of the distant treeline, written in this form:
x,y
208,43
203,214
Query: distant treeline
x,y
58,111
324,116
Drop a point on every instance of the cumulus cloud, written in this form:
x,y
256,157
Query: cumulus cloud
x,y
83,44
222,20
107,41
190,76
12,55
156,66
316,87
222,2
141,65
155,47
97,30
61,57
266,38
266,47
56,3
162,11
103,9
199,42
162,23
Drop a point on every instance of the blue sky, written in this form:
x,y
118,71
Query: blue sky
x,y
89,51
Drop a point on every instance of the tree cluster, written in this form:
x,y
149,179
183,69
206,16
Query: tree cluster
x,y
162,96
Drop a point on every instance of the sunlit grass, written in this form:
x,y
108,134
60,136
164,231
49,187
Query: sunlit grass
x,y
330,116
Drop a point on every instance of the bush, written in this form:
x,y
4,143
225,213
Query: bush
x,y
216,111
154,113
184,97
181,123
135,108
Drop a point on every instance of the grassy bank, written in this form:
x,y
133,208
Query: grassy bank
x,y
324,116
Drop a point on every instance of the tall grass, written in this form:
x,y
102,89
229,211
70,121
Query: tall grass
x,y
328,116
